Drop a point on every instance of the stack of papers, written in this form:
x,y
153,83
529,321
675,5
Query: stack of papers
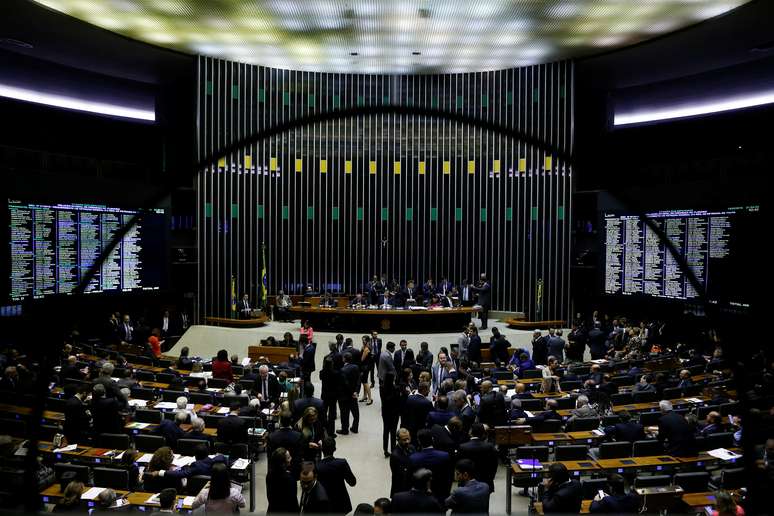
x,y
138,425
246,361
240,464
693,400
144,458
153,500
598,432
138,403
224,410
71,447
165,405
529,464
266,412
188,501
92,493
181,460
723,454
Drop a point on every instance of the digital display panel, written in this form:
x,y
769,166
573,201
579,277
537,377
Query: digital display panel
x,y
52,247
713,244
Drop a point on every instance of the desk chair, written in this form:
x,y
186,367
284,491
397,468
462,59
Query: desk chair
x,y
165,377
672,393
196,483
650,418
565,403
217,383
81,472
142,393
693,482
200,397
502,375
623,398
148,443
647,448
570,385
645,397
547,426
188,446
614,450
532,374
652,481
144,376
141,360
167,395
571,452
111,477
720,440
113,442
702,412
582,424
56,404
148,416
611,420
591,486
731,478
532,405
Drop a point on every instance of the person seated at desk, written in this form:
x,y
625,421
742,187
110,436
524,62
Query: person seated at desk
x,y
550,412
561,494
446,300
71,499
183,361
170,430
167,499
675,433
106,503
713,424
161,461
516,414
645,384
626,430
221,367
685,380
616,500
202,466
520,362
309,291
327,301
359,301
410,293
282,304
197,430
387,301
435,302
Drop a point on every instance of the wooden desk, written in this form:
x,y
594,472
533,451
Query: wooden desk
x,y
252,322
693,499
573,466
53,494
522,324
548,438
48,415
637,462
274,354
436,320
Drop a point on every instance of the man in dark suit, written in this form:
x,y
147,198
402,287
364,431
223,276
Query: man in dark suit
x,y
307,360
714,424
626,430
448,437
330,378
126,330
482,453
291,440
70,370
466,293
171,431
400,462
333,473
105,411
314,498
616,500
491,409
550,411
376,351
77,417
440,415
267,386
232,429
498,347
415,410
436,461
539,348
556,344
244,308
403,358
483,290
597,342
474,346
202,466
418,500
561,494
675,432
472,495
464,410
350,387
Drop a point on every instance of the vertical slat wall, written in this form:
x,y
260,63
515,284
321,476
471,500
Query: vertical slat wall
x,y
345,212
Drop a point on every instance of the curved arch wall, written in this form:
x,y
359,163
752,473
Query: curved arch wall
x,y
412,196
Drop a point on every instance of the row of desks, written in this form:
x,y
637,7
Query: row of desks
x,y
694,500
53,494
591,466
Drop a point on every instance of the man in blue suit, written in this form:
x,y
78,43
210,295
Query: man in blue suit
x,y
171,431
438,462
616,500
202,466
472,496
440,415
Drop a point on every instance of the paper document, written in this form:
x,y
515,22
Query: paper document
x,y
71,447
144,458
181,460
153,500
598,432
246,361
224,410
165,405
138,403
693,400
92,493
266,412
240,464
138,425
723,454
188,501
529,414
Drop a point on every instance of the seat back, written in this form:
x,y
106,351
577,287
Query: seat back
x,y
571,385
247,385
168,395
188,446
111,477
720,440
615,450
114,442
652,481
728,408
196,483
672,393
148,443
547,426
644,397
623,380
142,393
211,420
56,404
565,403
533,373
574,452
532,405
611,420
533,452
81,472
624,398
647,448
733,478
200,397
650,418
582,424
502,375
165,377
144,376
694,482
217,383
147,416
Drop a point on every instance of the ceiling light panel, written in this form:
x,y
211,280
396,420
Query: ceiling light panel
x,y
310,35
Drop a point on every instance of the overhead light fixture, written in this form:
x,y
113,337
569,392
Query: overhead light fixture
x,y
701,108
62,101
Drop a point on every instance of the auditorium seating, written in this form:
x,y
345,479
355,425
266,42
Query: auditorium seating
x,y
111,477
692,482
571,452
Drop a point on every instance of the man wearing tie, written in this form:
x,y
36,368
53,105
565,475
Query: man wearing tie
x,y
484,291
126,330
466,293
244,307
441,371
165,324
403,358
267,386
445,286
376,351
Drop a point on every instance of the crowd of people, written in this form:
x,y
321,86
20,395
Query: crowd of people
x,y
438,412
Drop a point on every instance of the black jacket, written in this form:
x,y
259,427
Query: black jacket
x,y
540,351
484,457
617,504
400,469
491,410
107,419
415,412
316,501
445,441
281,493
291,440
474,349
630,431
415,502
350,381
233,430
272,386
170,431
76,425
565,498
677,435
307,361
332,473
403,362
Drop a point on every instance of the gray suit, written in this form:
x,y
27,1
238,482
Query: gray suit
x,y
386,365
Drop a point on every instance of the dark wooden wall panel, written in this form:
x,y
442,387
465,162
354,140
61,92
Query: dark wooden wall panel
x,y
335,224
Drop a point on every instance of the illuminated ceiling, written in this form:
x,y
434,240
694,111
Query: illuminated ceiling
x,y
392,36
